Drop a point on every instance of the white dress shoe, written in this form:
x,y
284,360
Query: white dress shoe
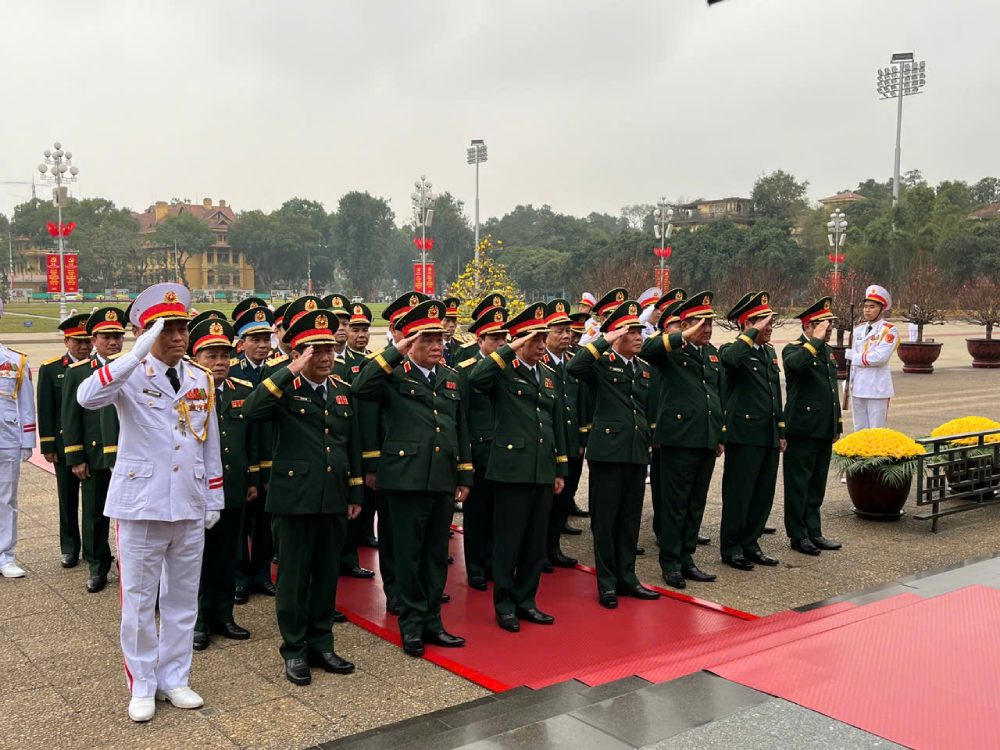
x,y
141,709
182,697
11,570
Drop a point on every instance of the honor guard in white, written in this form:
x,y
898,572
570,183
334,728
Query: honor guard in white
x,y
17,440
871,379
601,309
650,313
166,489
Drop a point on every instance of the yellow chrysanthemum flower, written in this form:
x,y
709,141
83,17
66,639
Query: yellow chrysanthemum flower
x,y
878,441
965,425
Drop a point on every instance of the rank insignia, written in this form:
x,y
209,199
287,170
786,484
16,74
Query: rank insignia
x,y
341,399
713,358
236,404
890,338
549,383
645,374
451,385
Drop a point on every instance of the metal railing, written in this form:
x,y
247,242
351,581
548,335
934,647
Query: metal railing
x,y
955,478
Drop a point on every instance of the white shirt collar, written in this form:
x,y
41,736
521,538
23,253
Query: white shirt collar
x,y
555,358
314,385
427,373
160,368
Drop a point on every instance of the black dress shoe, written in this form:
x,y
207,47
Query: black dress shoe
x,y
769,530
639,592
392,605
761,559
694,573
330,662
702,539
805,546
241,595
356,571
579,512
571,530
339,616
413,645
200,640
297,671
69,561
232,631
478,583
674,579
369,541
444,638
608,599
508,622
96,583
640,551
823,543
534,615
548,567
268,589
739,562
562,561
445,598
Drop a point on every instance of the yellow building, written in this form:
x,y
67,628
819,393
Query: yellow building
x,y
220,268
699,213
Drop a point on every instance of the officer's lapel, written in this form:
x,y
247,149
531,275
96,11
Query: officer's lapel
x,y
527,374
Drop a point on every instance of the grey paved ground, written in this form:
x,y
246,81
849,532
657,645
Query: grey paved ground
x,y
62,671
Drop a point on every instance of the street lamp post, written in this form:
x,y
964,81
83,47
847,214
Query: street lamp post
x,y
662,229
904,77
422,199
58,170
836,236
476,154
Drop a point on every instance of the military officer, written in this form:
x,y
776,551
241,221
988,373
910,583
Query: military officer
x,y
452,343
601,309
556,356
813,424
755,433
586,303
211,345
315,487
871,379
277,344
689,431
51,376
477,521
337,304
425,467
617,450
89,443
650,311
166,489
527,464
577,327
487,304
253,323
17,442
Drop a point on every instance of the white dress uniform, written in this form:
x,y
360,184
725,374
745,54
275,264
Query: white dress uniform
x,y
871,377
166,482
17,440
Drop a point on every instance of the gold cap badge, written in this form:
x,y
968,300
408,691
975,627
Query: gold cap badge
x,y
215,329
310,304
111,315
414,300
170,296
433,312
321,321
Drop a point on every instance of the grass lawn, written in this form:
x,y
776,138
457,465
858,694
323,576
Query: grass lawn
x,y
44,316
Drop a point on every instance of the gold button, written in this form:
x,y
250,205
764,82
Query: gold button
x,y
225,450
329,469
437,429
541,440
437,448
131,473
302,411
93,443
679,416
510,447
518,393
223,433
412,391
328,449
226,467
607,430
326,412
326,430
291,473
402,453
435,411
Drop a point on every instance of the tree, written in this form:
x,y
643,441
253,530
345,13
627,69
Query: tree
x,y
360,235
987,190
492,276
638,216
536,270
779,195
979,300
924,295
111,255
188,234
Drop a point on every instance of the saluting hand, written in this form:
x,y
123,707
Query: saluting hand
x,y
689,333
144,344
298,364
616,334
518,344
407,343
821,328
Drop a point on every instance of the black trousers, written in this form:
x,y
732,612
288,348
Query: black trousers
x,y
386,544
68,487
685,475
804,470
257,546
96,525
520,520
616,494
358,529
655,489
422,521
562,505
307,580
749,474
477,528
218,570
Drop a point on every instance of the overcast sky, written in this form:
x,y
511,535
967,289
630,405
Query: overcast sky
x,y
584,105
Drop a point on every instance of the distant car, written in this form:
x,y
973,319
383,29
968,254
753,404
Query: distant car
x,y
357,298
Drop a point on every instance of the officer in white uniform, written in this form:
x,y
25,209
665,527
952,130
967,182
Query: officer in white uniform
x,y
871,379
166,489
650,313
17,440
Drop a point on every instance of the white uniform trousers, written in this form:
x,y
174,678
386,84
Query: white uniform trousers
x,y
148,550
10,472
870,412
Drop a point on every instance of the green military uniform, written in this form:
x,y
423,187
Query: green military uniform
x,y
425,455
85,432
754,427
315,474
689,432
527,455
813,423
617,453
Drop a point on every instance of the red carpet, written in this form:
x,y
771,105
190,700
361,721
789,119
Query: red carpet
x,y
584,637
922,673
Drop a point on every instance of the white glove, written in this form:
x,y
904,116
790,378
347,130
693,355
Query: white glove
x,y
144,344
211,518
26,453
849,354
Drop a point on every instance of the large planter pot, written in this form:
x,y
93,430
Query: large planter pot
x,y
874,499
919,357
985,352
838,354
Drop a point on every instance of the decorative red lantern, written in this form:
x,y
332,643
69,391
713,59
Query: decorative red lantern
x,y
53,229
67,229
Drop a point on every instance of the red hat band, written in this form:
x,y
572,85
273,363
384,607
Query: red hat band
x,y
695,311
872,297
163,310
312,335
625,322
77,331
755,312
423,325
210,340
107,326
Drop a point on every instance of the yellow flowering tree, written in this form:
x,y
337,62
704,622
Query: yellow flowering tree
x,y
492,277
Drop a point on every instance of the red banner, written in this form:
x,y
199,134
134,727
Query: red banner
x,y
662,276
418,278
70,272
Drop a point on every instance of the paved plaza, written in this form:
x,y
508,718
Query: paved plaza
x,y
63,672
